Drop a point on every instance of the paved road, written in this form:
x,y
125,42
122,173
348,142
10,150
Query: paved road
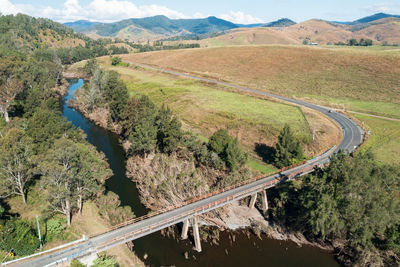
x,y
352,137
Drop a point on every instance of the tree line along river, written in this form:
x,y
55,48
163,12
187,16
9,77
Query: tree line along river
x,y
157,250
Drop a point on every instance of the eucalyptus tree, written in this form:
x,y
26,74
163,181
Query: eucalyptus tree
x,y
16,163
59,172
10,84
92,171
72,173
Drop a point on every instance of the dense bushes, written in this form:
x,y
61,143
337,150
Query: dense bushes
x,y
353,200
19,236
110,209
228,149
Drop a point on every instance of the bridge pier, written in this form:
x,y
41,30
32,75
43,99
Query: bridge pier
x,y
264,201
196,234
185,229
253,201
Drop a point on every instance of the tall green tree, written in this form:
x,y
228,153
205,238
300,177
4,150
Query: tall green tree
x,y
288,148
169,132
10,83
354,200
116,94
45,126
92,171
73,172
219,141
228,149
59,171
16,163
118,101
234,156
140,125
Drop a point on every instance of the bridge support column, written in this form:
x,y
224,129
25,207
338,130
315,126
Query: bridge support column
x,y
264,201
253,201
185,229
196,234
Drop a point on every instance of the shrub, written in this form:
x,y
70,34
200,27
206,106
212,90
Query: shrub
x,y
228,149
105,261
17,234
116,60
54,227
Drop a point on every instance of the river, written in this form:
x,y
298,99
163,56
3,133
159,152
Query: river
x,y
163,251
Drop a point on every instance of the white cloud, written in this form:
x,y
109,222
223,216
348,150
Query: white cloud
x,y
6,8
110,11
389,8
241,18
96,10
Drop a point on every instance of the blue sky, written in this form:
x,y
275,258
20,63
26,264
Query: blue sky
x,y
250,11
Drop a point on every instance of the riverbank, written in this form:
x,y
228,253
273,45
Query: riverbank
x,y
240,217
96,223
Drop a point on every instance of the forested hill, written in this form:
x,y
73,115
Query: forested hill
x,y
151,27
26,34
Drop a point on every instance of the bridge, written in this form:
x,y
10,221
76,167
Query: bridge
x,y
188,212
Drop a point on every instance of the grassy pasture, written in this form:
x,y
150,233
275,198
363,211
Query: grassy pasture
x,y
359,79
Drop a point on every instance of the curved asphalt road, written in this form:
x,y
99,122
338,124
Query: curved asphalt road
x,y
352,138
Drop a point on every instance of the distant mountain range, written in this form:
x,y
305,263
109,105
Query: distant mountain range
x,y
368,19
161,27
285,22
152,27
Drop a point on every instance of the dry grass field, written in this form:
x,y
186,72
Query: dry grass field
x,y
365,80
381,31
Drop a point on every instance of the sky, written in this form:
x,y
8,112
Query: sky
x,y
245,12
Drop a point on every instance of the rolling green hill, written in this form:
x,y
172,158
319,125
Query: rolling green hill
x,y
156,26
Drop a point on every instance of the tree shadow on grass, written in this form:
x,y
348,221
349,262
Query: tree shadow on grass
x,y
265,152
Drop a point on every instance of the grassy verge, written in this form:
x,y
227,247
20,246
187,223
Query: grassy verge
x,y
260,166
384,141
